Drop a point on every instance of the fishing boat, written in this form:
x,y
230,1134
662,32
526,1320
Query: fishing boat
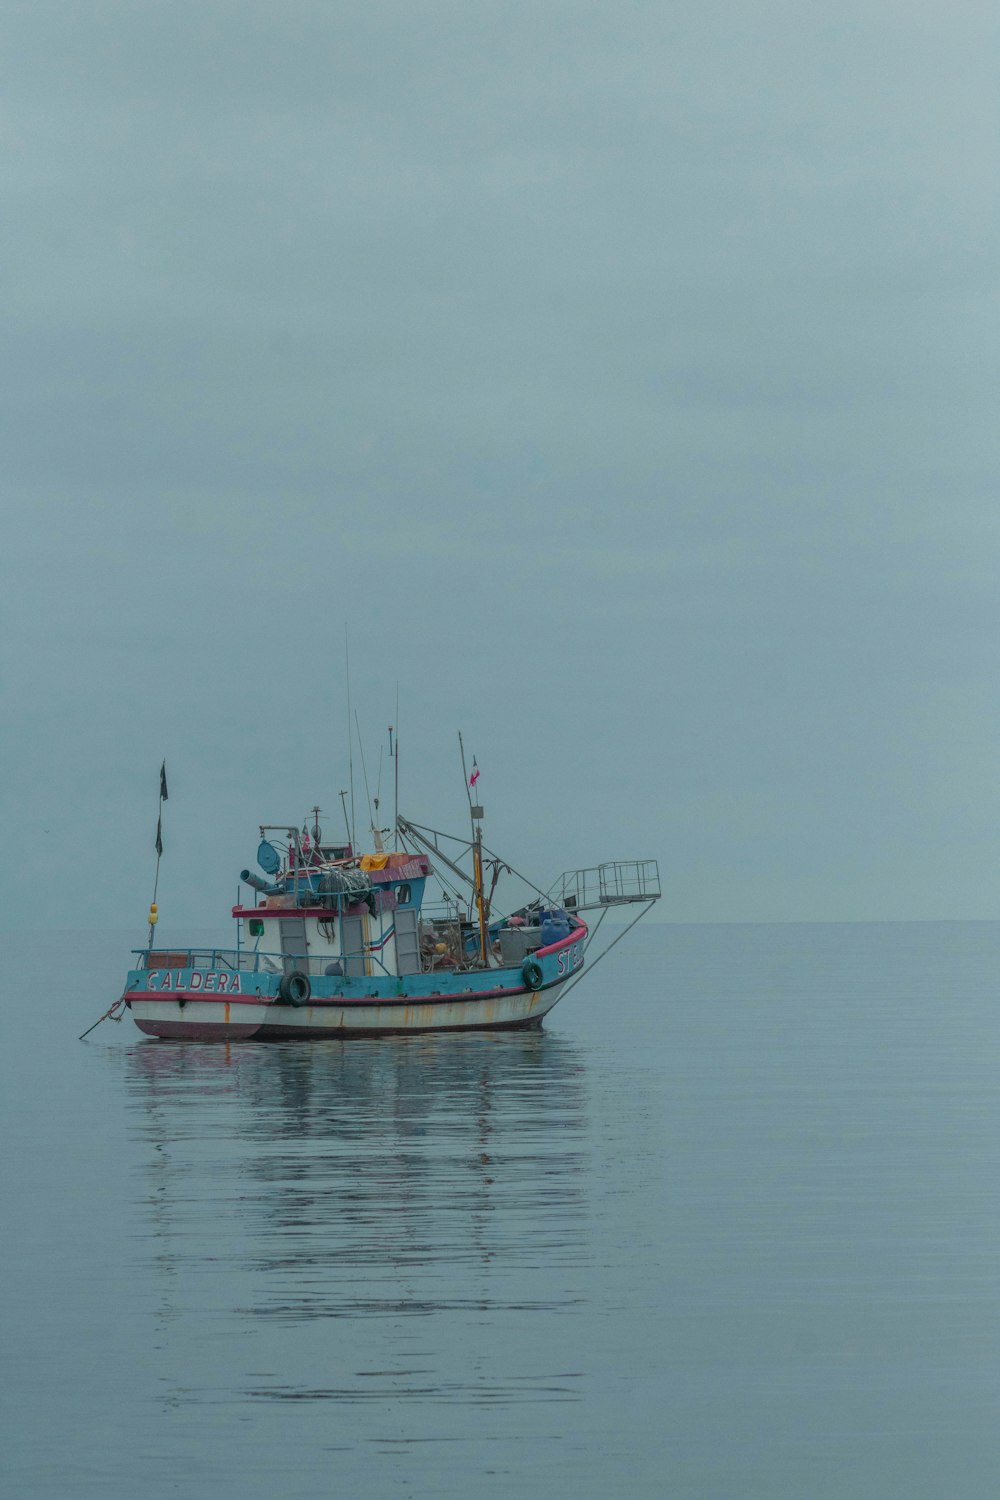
x,y
335,943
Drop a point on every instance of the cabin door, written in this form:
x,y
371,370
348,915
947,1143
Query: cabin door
x,y
407,942
353,945
292,935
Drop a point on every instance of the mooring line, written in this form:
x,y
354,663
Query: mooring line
x,y
118,1006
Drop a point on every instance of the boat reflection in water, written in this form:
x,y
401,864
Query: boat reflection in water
x,y
383,1183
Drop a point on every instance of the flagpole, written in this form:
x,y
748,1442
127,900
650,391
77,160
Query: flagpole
x,y
465,775
153,909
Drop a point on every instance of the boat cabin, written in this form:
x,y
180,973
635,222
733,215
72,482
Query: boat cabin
x,y
338,915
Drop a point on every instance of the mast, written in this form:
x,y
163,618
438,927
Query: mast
x,y
476,821
372,816
294,860
350,736
477,866
395,762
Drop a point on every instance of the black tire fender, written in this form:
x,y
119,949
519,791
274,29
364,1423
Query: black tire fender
x,y
532,975
294,988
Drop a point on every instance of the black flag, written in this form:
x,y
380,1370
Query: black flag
x,y
159,838
163,782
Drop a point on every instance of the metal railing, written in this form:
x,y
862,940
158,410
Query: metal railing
x,y
249,960
618,882
202,958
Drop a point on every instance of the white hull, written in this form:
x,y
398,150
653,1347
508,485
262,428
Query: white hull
x,y
213,1020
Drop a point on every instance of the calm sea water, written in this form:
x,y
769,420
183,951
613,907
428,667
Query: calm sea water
x,y
728,1228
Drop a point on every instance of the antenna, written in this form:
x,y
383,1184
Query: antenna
x,y
475,818
395,799
371,815
350,735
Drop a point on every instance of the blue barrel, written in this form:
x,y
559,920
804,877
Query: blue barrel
x,y
554,925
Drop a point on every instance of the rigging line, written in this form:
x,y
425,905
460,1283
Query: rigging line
x,y
572,986
428,838
418,843
416,829
361,752
517,874
436,833
449,890
593,931
450,886
419,837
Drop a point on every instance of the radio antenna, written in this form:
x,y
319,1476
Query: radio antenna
x,y
368,795
395,797
350,735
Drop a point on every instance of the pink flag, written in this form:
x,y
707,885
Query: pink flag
x,y
475,773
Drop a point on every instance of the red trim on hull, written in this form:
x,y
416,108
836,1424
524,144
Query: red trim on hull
x,y
573,936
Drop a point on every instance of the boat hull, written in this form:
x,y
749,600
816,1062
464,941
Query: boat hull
x,y
209,1021
212,1005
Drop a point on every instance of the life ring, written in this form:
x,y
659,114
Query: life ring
x,y
531,973
294,988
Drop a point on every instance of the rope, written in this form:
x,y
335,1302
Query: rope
x,y
604,953
116,1013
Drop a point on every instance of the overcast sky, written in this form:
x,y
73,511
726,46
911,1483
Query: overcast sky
x,y
622,376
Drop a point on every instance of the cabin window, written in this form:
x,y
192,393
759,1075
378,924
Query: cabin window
x,y
256,927
404,895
